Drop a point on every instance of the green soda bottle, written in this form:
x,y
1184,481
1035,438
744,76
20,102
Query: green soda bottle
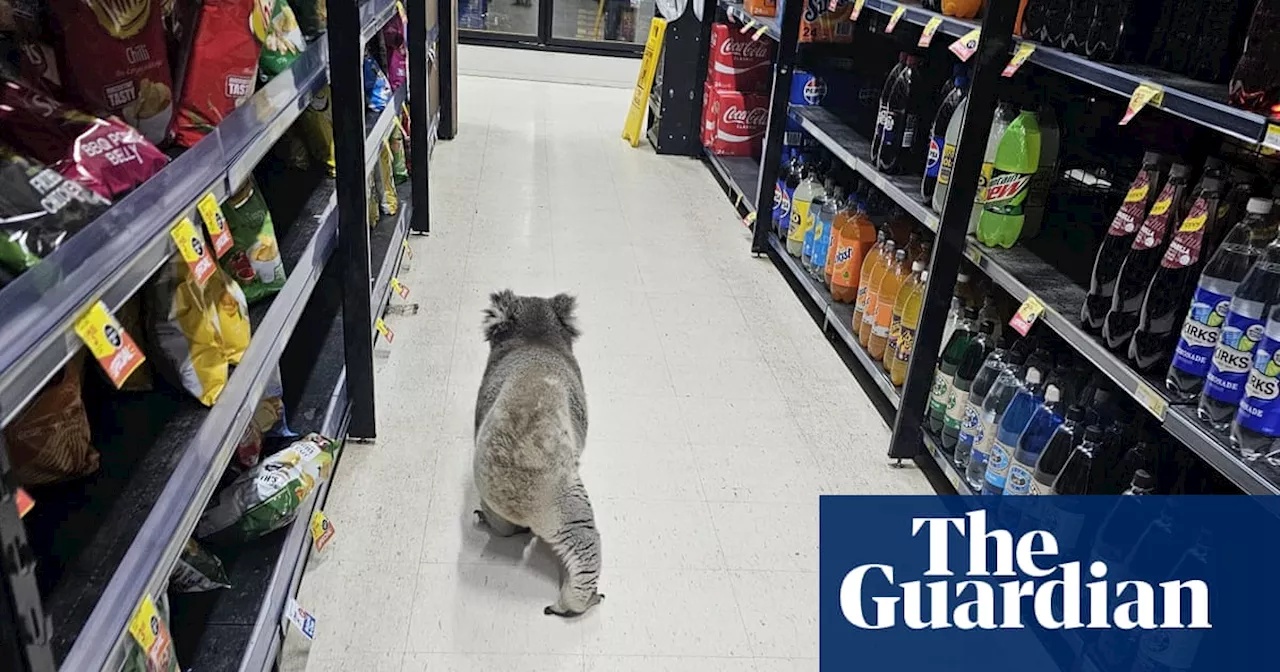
x,y
1017,158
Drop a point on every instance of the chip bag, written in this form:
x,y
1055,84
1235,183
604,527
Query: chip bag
x,y
129,315
150,642
270,418
388,201
254,258
115,60
377,92
372,205
183,326
219,70
234,327
105,155
313,17
197,571
276,27
399,164
317,125
393,35
39,210
49,441
267,497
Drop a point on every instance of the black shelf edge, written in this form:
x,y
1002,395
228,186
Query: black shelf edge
x,y
1121,79
378,131
374,14
115,255
949,471
770,23
145,567
386,243
838,316
739,174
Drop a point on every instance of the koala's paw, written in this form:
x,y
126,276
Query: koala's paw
x,y
564,612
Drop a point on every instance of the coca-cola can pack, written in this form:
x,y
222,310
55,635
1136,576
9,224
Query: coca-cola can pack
x,y
739,122
737,62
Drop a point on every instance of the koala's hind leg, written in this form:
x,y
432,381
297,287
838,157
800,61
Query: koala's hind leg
x,y
571,532
499,526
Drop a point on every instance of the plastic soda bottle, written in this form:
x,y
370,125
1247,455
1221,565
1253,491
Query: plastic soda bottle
x,y
971,418
1017,158
912,284
813,234
999,124
822,240
1255,433
1032,443
857,238
1007,384
943,391
787,183
1212,300
1014,421
975,356
801,217
906,343
1056,452
838,222
948,161
882,111
890,285
938,136
871,309
864,280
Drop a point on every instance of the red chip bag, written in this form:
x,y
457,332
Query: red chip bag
x,y
220,68
114,60
105,155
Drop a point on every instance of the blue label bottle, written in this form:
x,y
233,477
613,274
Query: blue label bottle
x,y
1013,423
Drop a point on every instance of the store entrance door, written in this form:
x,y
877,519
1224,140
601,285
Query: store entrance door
x,y
602,27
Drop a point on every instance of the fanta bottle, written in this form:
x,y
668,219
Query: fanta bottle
x,y
857,238
890,285
872,309
864,279
899,304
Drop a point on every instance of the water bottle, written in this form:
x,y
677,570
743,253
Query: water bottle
x,y
1056,451
943,377
1255,433
1034,439
1007,384
975,355
971,420
1013,423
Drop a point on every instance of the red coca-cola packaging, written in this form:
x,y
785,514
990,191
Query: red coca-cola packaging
x,y
708,114
740,120
737,62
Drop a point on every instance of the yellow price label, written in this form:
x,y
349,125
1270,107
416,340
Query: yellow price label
x,y
215,223
25,502
408,251
322,530
109,343
1027,314
930,29
759,31
1271,140
747,26
399,288
1025,49
384,330
151,634
965,47
192,248
1151,400
1146,94
894,19
857,9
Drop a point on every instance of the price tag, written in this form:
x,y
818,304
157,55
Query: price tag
x,y
749,219
399,288
322,530
191,247
384,330
930,28
215,223
831,6
894,19
1027,315
759,31
25,502
857,9
1025,49
300,618
151,634
965,47
408,251
110,344
747,26
1145,94
1151,400
1272,139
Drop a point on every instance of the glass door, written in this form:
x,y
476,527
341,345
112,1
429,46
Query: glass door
x,y
604,27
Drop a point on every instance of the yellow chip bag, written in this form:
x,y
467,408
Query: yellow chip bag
x,y
317,125
197,331
388,202
233,315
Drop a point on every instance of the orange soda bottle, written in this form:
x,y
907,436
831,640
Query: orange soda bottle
x,y
890,284
857,239
895,327
864,278
871,309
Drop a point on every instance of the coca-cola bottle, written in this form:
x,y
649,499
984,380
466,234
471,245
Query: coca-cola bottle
x,y
1143,256
901,119
1255,83
1171,286
877,137
1114,247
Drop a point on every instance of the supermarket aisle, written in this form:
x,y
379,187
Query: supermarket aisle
x,y
718,415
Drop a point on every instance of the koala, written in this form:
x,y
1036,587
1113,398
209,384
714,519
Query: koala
x,y
531,427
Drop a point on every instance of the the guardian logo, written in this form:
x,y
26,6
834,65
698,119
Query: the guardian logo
x,y
1038,590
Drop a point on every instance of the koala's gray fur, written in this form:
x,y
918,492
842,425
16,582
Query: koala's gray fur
x,y
531,427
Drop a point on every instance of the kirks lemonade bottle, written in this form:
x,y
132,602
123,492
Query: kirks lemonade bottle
x,y
1017,158
913,284
1255,434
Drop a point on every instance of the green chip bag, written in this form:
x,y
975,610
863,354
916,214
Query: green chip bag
x,y
280,35
254,258
150,645
197,571
399,166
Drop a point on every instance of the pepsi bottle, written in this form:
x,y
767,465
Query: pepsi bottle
x,y
901,117
938,135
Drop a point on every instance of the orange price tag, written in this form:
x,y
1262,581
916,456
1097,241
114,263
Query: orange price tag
x,y
930,29
1025,49
191,247
25,502
894,19
857,9
384,330
965,47
215,223
1145,94
110,344
1027,315
399,288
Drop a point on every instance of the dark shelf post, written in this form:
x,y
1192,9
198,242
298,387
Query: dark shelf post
x,y
346,53
779,103
419,117
948,249
446,51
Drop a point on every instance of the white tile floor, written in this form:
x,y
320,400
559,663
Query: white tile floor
x,y
719,413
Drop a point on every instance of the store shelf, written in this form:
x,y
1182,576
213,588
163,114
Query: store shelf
x,y
949,471
378,129
839,316
386,246
374,14
1196,101
740,174
112,257
740,16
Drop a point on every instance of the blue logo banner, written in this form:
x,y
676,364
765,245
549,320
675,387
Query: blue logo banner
x,y
1066,584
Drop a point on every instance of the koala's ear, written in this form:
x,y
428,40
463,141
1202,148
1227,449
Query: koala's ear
x,y
499,315
565,307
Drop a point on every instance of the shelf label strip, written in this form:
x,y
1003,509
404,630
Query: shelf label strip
x,y
930,29
1151,400
399,288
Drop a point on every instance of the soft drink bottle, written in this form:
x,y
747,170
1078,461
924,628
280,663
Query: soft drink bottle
x,y
1046,173
822,240
838,221
1255,433
999,125
906,343
1033,442
948,160
1241,332
961,299
912,284
872,307
1077,473
971,362
882,110
787,183
1075,28
901,118
857,238
993,406
971,419
814,233
801,217
894,278
1017,158
1174,280
1255,83
1140,262
1013,422
1118,31
1212,300
938,135
1115,246
1179,649
943,378
1056,452
864,280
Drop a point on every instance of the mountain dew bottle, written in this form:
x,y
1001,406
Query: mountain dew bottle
x,y
1017,158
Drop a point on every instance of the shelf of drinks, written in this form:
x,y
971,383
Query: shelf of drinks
x,y
838,316
949,470
115,254
1255,478
738,14
1196,101
740,175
